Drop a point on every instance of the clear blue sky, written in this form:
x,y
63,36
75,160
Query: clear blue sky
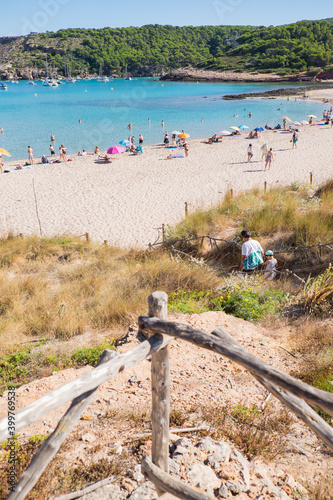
x,y
23,16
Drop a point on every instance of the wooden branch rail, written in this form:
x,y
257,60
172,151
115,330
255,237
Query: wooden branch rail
x,y
286,388
317,397
167,483
85,383
52,444
88,489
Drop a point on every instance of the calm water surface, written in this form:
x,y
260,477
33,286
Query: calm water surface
x,y
29,114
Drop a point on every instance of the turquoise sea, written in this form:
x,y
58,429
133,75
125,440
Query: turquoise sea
x,y
29,114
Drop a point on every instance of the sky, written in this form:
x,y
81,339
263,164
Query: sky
x,y
20,17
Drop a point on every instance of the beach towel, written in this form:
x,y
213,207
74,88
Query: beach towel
x,y
17,169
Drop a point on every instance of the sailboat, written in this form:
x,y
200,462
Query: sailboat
x,y
126,75
48,82
102,78
69,78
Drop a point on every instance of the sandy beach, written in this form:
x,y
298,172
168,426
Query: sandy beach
x,y
124,202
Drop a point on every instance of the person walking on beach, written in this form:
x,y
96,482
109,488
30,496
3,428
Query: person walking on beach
x,y
263,150
140,139
269,158
252,253
166,139
51,148
249,153
294,140
186,149
31,157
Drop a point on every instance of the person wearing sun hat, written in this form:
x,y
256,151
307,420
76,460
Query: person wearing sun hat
x,y
270,264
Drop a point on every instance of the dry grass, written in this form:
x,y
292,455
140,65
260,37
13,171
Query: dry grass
x,y
61,287
256,432
317,294
301,219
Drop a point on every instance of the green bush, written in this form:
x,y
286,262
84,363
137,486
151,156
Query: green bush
x,y
90,355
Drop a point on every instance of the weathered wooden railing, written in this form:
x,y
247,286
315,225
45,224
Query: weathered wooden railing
x,y
291,392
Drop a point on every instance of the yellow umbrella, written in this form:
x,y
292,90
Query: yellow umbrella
x,y
183,136
4,152
288,119
234,128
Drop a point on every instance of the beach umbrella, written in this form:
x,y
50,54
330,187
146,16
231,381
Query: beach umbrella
x,y
297,123
259,129
175,132
234,128
4,152
312,116
114,150
125,143
183,136
224,132
288,119
304,122
243,127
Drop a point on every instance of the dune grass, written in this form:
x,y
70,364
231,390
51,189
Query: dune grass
x,y
61,287
291,210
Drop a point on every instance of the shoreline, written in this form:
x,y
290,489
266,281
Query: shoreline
x,y
124,202
282,92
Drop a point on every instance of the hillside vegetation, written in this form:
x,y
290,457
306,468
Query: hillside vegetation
x,y
294,48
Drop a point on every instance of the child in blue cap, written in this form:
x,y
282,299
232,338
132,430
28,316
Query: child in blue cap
x,y
270,264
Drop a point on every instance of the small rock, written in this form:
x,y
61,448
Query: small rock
x,y
234,488
222,454
144,491
173,467
133,379
223,491
108,492
137,474
89,438
207,444
203,477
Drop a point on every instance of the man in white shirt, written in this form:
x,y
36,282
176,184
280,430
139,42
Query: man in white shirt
x,y
252,253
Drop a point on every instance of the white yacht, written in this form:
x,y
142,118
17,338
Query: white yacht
x,y
102,78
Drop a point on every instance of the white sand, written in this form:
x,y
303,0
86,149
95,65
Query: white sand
x,y
125,201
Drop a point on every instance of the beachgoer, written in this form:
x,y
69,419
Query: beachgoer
x,y
62,151
252,253
148,121
140,139
284,123
310,121
249,153
52,138
51,148
264,150
166,139
250,136
201,120
269,158
270,264
174,139
162,124
132,140
31,157
44,159
186,149
1,130
129,126
79,121
294,140
96,150
250,114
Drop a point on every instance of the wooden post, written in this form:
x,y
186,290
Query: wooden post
x,y
265,187
231,192
21,236
106,243
160,385
87,237
310,178
320,249
163,232
186,209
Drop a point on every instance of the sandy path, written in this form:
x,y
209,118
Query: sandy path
x,y
124,202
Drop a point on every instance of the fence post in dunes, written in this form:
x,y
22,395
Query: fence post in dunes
x,y
160,385
163,233
87,237
186,209
265,187
310,178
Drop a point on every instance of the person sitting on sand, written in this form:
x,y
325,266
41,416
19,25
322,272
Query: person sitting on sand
x,y
96,150
250,136
256,135
44,159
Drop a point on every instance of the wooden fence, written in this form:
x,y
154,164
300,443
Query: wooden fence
x,y
294,394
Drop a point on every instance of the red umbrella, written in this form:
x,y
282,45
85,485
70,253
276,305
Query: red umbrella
x,y
114,150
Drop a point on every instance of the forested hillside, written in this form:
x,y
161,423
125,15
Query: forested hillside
x,y
303,46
